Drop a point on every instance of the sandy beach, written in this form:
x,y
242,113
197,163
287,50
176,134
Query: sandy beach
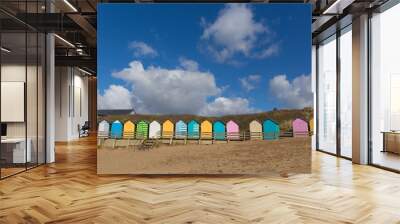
x,y
288,155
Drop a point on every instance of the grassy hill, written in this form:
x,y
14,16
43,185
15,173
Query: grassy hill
x,y
283,117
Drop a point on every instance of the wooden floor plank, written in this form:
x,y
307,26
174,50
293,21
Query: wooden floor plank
x,y
70,191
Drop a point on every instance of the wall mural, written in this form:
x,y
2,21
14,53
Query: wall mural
x,y
204,89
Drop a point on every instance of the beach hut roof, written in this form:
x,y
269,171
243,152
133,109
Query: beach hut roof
x,y
219,121
256,120
141,121
299,120
268,119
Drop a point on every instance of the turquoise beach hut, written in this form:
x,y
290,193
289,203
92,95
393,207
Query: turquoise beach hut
x,y
180,129
193,130
116,129
271,130
219,130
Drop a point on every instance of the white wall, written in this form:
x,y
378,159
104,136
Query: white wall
x,y
71,102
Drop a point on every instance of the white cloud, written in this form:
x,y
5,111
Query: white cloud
x,y
115,97
250,82
235,31
160,90
142,49
270,51
188,64
223,106
293,94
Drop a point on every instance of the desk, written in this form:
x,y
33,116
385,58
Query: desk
x,y
16,147
391,141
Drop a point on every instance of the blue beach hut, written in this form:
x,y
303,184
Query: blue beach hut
x,y
116,129
193,129
219,130
271,130
180,129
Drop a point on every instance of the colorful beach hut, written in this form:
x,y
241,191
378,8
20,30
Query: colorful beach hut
x,y
271,130
116,130
232,130
129,129
167,129
154,130
311,123
206,130
255,129
142,130
104,129
219,130
300,128
193,129
180,129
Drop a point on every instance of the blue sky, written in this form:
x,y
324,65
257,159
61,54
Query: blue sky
x,y
209,59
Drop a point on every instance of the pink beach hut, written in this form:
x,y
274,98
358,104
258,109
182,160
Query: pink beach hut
x,y
300,128
232,130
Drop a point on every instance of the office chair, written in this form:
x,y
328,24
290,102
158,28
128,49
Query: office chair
x,y
84,130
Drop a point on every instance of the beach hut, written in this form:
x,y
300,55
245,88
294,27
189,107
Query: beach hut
x,y
104,129
116,130
232,130
103,132
154,130
180,129
142,130
271,130
219,130
300,128
129,130
167,129
193,129
311,123
206,130
255,129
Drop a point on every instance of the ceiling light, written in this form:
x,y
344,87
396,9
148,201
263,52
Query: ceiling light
x,y
84,71
64,40
70,5
338,6
5,50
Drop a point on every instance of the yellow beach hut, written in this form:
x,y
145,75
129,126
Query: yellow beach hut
x,y
167,129
206,130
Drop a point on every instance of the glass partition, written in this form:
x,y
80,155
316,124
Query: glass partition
x,y
13,95
327,97
22,88
385,89
346,92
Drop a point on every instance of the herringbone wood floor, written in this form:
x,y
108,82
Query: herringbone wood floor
x,y
69,191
